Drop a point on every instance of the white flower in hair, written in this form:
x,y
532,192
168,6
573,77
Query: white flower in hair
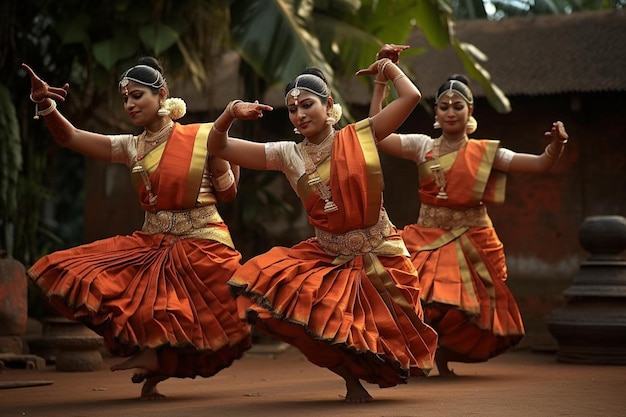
x,y
176,106
335,114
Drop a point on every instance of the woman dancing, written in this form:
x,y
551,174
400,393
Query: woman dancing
x,y
159,296
347,298
454,246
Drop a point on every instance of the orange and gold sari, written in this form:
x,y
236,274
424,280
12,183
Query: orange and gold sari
x,y
350,295
163,287
460,259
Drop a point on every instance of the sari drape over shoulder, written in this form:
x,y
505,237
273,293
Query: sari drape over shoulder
x,y
165,286
350,295
460,259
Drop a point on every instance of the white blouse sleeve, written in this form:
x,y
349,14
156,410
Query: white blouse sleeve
x,y
415,146
503,159
123,149
285,156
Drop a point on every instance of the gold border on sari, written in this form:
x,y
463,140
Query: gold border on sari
x,y
196,166
372,160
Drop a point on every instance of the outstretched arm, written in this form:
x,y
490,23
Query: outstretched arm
x,y
523,162
241,152
93,145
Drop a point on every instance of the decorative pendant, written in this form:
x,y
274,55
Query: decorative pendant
x,y
440,180
330,206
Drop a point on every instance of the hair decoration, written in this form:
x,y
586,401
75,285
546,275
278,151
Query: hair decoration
x,y
308,82
173,107
452,87
335,114
154,78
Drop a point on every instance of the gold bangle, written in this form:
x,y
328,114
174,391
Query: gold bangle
x,y
231,108
382,64
381,82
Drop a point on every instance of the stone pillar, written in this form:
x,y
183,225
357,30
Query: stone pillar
x,y
591,327
13,305
70,345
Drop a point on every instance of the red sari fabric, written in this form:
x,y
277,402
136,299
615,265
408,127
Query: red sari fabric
x,y
153,291
463,270
361,311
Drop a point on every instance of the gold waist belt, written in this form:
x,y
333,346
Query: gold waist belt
x,y
186,223
355,242
447,218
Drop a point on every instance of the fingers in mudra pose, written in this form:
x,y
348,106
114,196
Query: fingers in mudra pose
x,y
40,90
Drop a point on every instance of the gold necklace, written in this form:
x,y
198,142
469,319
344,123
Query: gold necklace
x,y
139,168
156,137
438,173
319,152
322,151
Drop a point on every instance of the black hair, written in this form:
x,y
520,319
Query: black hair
x,y
458,83
147,72
312,79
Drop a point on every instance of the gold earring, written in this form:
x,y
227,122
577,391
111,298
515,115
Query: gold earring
x,y
162,110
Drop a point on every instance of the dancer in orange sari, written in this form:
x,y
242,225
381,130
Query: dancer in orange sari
x,y
158,296
457,253
347,298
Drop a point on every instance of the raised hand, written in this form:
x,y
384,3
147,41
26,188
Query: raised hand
x,y
374,68
249,111
40,90
391,51
558,132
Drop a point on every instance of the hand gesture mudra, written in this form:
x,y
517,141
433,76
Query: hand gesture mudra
x,y
391,51
40,90
248,111
558,132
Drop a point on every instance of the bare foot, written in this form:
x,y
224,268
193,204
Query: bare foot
x,y
146,359
149,391
355,393
442,365
139,377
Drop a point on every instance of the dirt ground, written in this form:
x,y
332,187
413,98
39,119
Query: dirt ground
x,y
518,383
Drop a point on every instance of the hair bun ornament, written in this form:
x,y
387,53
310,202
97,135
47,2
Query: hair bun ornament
x,y
335,114
176,106
472,125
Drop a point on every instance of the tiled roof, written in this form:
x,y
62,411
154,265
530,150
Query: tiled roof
x,y
579,52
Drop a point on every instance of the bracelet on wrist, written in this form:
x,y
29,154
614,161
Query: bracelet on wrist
x,y
231,108
52,107
382,64
33,100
